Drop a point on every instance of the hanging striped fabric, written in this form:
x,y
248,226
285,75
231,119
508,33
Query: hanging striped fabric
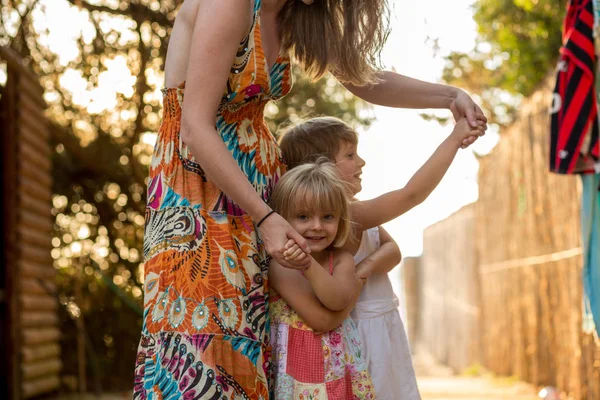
x,y
574,124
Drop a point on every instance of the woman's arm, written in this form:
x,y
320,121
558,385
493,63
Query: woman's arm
x,y
299,295
218,30
382,209
395,90
382,260
333,291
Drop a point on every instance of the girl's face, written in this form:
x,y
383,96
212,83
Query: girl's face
x,y
319,229
349,166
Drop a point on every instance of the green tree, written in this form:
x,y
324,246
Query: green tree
x,y
101,72
517,46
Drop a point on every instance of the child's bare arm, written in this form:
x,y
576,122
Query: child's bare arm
x,y
382,260
386,207
299,294
334,291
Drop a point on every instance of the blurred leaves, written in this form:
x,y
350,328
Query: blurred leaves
x,y
517,46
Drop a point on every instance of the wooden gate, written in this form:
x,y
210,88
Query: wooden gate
x,y
28,305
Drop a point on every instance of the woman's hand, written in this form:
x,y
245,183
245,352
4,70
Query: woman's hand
x,y
276,232
464,106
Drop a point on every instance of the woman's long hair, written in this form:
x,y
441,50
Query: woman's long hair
x,y
344,37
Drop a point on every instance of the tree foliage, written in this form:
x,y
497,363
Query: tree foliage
x,y
100,63
517,46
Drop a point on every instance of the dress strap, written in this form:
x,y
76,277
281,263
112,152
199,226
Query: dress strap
x,y
331,262
257,4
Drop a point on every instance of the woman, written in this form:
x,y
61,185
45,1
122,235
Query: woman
x,y
206,325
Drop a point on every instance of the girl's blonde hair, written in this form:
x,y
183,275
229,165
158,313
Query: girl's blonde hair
x,y
344,37
313,188
316,137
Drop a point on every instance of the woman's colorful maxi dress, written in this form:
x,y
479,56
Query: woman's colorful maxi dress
x,y
206,327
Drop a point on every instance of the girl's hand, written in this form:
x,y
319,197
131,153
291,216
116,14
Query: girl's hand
x,y
363,272
293,252
463,132
481,128
464,107
276,232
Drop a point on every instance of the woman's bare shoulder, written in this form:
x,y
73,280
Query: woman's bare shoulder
x,y
190,8
182,36
188,11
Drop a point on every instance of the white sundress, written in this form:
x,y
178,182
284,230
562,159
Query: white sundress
x,y
382,332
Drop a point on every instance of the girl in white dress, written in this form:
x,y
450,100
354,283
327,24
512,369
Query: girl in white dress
x,y
376,312
378,321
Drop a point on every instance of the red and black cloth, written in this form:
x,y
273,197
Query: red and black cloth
x,y
574,122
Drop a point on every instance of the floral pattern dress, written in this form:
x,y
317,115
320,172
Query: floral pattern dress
x,y
312,366
206,326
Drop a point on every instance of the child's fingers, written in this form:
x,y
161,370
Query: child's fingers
x,y
362,272
469,140
290,243
291,250
296,254
466,142
298,239
470,137
479,131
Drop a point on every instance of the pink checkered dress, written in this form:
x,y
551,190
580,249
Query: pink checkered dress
x,y
311,366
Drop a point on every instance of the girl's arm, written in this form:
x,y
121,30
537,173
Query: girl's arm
x,y
382,209
333,291
382,260
214,44
299,295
